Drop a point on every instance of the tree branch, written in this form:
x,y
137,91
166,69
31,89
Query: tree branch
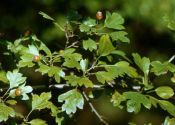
x,y
58,86
94,110
171,59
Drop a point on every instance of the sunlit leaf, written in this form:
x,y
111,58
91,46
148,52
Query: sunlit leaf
x,y
72,100
15,78
42,101
46,16
135,100
33,50
6,112
89,22
26,60
37,122
113,71
164,92
162,68
120,35
89,44
168,106
84,28
114,21
75,80
142,63
169,121
3,77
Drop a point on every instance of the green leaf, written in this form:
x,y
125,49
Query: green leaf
x,y
168,106
122,54
142,63
117,98
15,78
46,16
3,77
55,71
42,101
33,50
73,56
43,69
72,100
71,63
26,60
133,106
89,44
11,102
75,80
120,35
37,122
90,22
114,21
135,101
113,71
6,112
164,92
169,121
161,68
83,64
105,46
84,28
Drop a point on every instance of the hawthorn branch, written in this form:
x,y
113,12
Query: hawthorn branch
x,y
94,110
58,86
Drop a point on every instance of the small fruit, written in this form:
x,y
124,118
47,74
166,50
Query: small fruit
x,y
99,15
18,92
36,58
61,52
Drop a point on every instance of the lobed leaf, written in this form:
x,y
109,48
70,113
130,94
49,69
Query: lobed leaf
x,y
72,100
15,78
119,35
89,44
142,63
105,46
6,112
114,21
42,101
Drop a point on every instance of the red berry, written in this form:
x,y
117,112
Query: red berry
x,y
36,58
99,15
18,92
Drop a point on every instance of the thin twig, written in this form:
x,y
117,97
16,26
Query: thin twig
x,y
59,86
171,59
93,65
73,44
94,110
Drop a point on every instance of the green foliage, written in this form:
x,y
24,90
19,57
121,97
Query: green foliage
x,y
165,92
105,46
114,21
38,122
91,60
73,100
15,78
169,121
89,44
6,112
41,102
